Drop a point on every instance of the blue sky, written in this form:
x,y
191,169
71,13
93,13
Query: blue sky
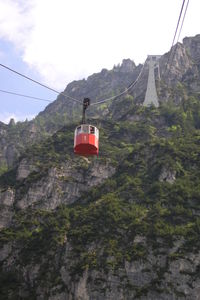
x,y
56,42
18,107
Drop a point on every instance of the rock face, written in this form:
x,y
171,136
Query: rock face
x,y
6,208
180,65
63,185
127,66
156,277
24,169
192,45
14,138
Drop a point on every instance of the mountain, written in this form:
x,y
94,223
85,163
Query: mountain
x,y
179,81
124,225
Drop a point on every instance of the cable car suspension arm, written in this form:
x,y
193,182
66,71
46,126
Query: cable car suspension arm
x,y
86,103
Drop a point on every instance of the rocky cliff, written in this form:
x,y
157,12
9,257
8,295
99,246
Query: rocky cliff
x,y
124,225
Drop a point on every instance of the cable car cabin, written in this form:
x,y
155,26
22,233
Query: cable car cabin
x,y
86,140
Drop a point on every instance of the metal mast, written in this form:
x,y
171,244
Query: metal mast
x,y
151,96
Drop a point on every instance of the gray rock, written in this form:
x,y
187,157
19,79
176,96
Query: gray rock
x,y
6,208
64,185
7,197
137,274
167,175
5,251
24,169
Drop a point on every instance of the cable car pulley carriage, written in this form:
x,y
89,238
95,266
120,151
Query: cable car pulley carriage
x,y
86,136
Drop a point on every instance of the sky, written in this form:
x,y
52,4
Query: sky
x,y
59,41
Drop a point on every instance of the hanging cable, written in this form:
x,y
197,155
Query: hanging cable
x,y
172,54
176,46
125,91
41,84
25,96
178,22
62,93
183,20
177,26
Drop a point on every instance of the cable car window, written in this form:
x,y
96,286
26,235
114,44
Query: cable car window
x,y
78,130
85,128
92,129
97,133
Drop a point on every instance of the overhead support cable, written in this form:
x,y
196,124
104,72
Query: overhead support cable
x,y
41,84
172,54
25,96
62,93
176,46
173,50
179,18
183,20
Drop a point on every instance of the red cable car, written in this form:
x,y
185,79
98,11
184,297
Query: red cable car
x,y
86,137
86,140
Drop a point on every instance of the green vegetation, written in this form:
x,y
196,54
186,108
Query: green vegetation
x,y
3,169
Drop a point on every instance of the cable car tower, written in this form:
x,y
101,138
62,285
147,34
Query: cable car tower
x,y
151,96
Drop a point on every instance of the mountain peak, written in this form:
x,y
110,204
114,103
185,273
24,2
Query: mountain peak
x,y
126,66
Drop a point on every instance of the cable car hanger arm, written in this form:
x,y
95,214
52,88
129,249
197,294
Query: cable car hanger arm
x,y
86,103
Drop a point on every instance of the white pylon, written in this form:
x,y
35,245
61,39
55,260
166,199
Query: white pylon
x,y
151,96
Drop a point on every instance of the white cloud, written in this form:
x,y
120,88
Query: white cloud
x,y
6,116
16,21
67,40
